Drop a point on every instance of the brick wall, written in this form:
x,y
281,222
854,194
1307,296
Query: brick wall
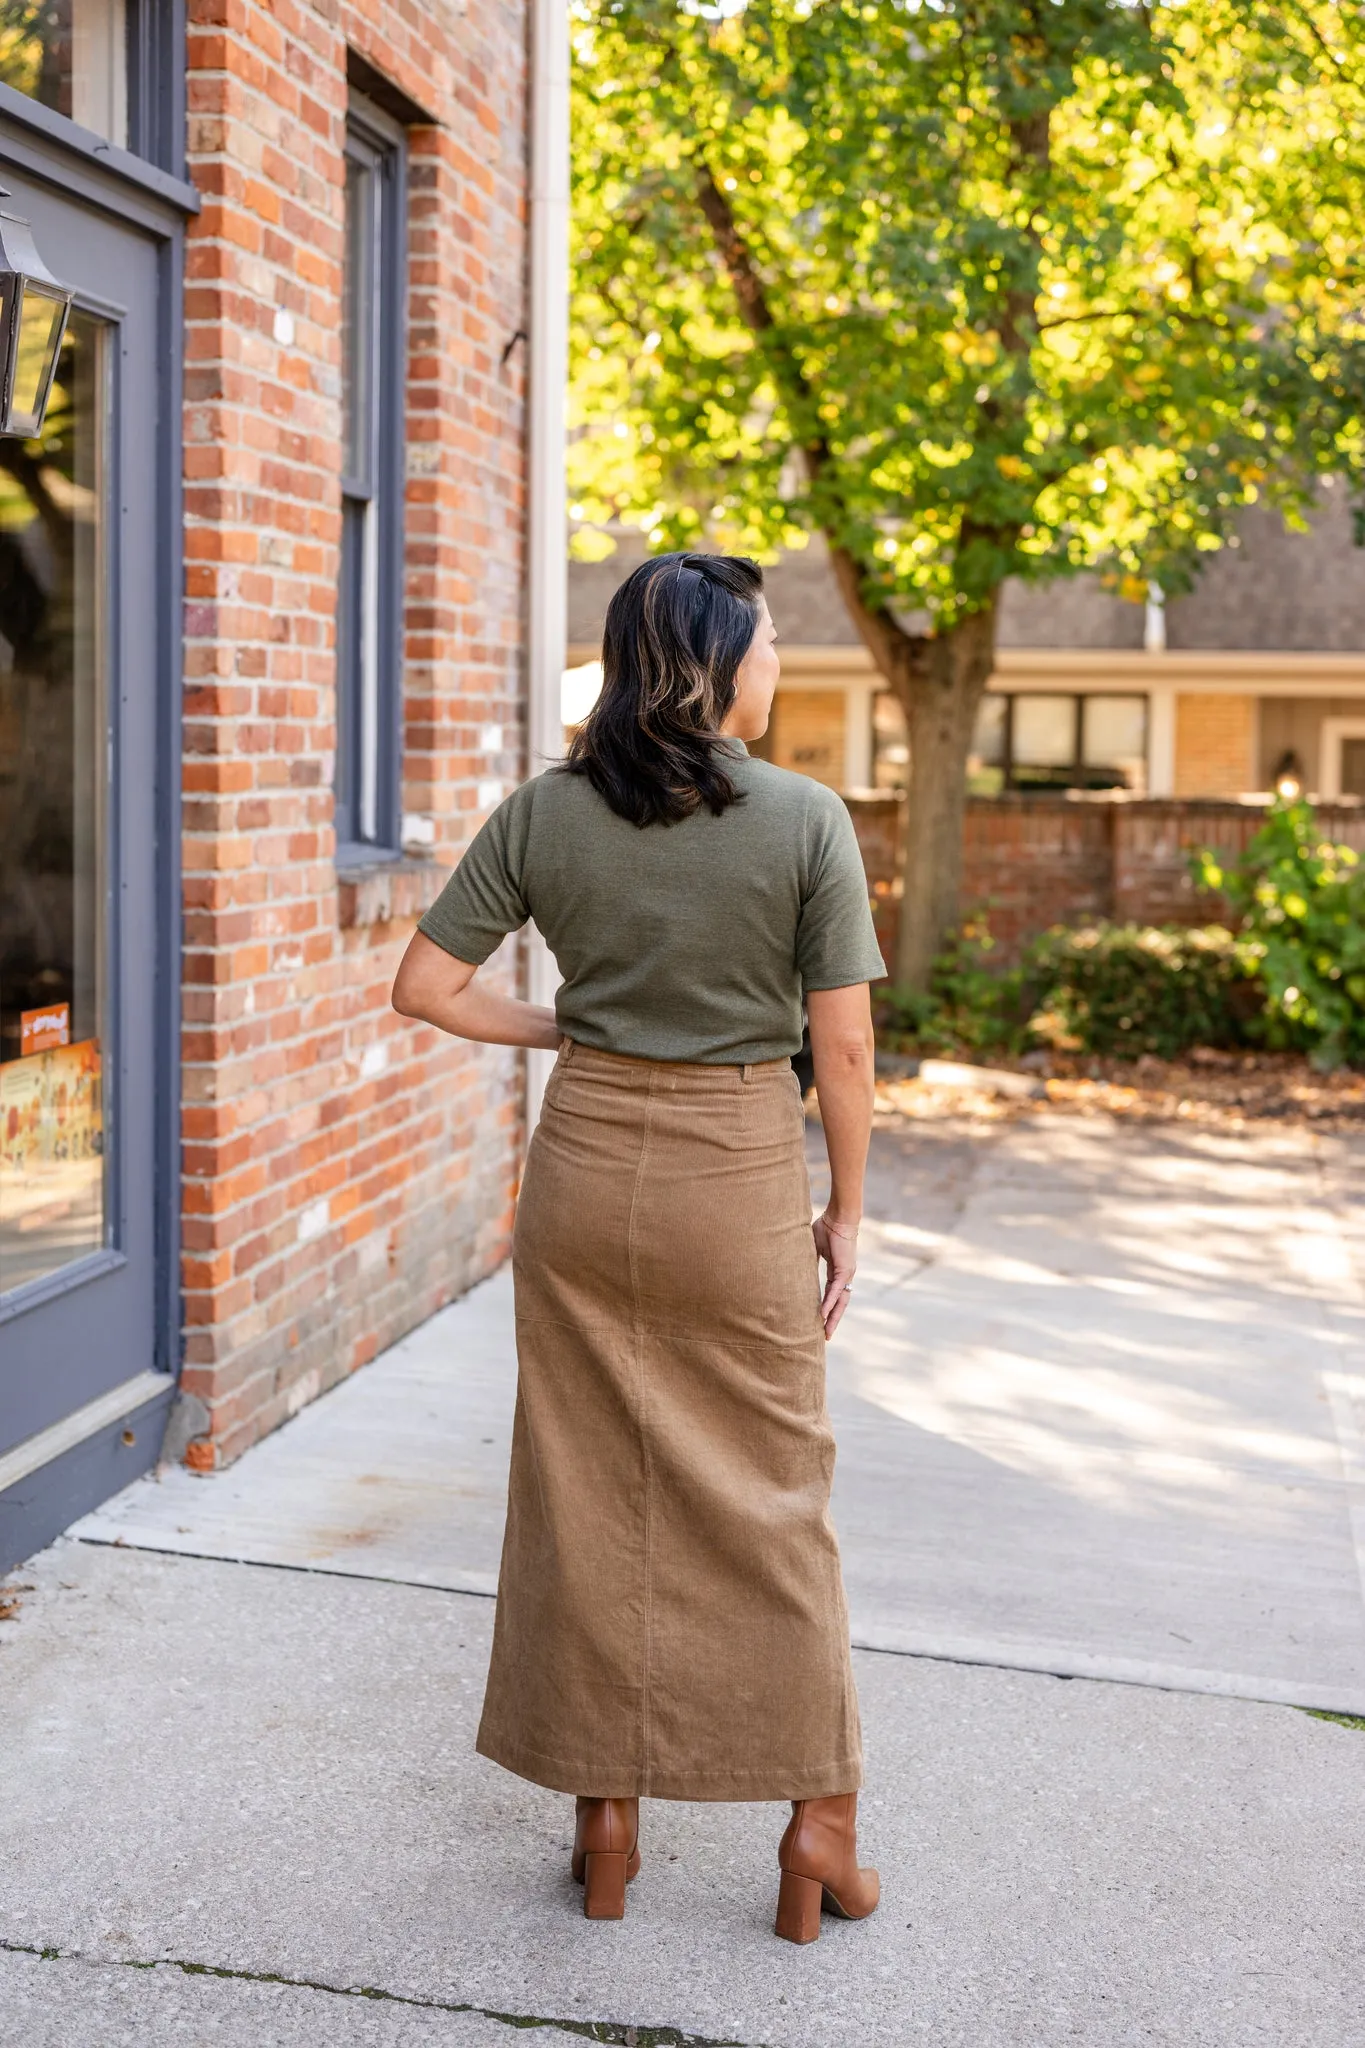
x,y
1031,862
345,1172
1215,745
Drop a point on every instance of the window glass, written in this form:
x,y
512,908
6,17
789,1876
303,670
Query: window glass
x,y
72,56
1044,732
369,622
1029,741
53,751
357,311
1114,743
40,323
986,762
1353,767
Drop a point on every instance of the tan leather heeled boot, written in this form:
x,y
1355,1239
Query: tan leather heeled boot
x,y
818,1858
606,1854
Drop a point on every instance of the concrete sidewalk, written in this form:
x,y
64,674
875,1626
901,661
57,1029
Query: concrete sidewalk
x,y
1096,1410
1099,1401
1108,1418
269,1776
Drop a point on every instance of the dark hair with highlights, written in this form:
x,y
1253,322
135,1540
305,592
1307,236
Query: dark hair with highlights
x,y
676,632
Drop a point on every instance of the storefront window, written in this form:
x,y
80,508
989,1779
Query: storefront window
x,y
72,56
53,763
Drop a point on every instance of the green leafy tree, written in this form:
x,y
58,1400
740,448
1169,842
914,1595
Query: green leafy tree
x,y
974,289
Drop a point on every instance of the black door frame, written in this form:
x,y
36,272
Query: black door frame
x,y
128,189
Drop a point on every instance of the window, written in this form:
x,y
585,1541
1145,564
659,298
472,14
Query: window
x,y
1341,751
1114,743
53,881
113,66
1033,740
72,56
369,610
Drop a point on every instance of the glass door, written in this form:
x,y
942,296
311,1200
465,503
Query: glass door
x,y
82,594
54,641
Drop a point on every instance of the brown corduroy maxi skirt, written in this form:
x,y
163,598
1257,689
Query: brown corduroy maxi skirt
x,y
671,1618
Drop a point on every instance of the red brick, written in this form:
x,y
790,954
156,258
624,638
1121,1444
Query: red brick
x,y
281,1001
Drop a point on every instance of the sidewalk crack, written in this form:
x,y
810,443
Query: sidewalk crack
x,y
617,2033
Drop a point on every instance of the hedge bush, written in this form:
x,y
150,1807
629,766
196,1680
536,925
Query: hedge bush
x,y
1115,990
1126,989
1300,901
969,1007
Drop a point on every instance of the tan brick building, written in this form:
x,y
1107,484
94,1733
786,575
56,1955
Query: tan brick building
x,y
292,681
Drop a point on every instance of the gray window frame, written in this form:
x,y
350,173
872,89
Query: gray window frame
x,y
369,654
156,82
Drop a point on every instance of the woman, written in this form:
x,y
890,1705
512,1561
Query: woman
x,y
671,1617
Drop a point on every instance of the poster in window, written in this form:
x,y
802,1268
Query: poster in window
x,y
51,1111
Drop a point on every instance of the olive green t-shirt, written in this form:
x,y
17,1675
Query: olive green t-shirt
x,y
694,941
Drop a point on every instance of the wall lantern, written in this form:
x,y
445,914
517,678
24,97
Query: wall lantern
x,y
33,310
1288,777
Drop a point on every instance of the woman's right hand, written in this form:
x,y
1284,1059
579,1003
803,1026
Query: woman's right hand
x,y
836,1242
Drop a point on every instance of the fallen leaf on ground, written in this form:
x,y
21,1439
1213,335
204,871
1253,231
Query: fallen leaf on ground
x,y
1229,1090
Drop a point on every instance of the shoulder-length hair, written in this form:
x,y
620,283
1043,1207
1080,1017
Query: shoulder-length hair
x,y
676,632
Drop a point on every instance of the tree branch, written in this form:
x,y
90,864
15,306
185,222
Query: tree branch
x,y
891,647
1031,147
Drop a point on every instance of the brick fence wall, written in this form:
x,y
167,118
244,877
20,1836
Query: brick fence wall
x,y
345,1172
1032,862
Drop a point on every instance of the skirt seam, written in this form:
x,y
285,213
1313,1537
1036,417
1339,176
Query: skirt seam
x,y
637,1331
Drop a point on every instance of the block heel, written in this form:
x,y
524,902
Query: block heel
x,y
606,1854
604,1884
818,1858
799,1900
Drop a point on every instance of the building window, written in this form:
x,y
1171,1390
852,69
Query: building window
x,y
72,56
113,66
1033,740
369,610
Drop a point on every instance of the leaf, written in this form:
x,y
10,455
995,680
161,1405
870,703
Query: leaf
x,y
1042,290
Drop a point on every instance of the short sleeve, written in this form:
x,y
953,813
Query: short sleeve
x,y
836,944
483,899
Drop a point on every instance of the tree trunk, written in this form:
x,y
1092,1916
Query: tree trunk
x,y
940,687
939,682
